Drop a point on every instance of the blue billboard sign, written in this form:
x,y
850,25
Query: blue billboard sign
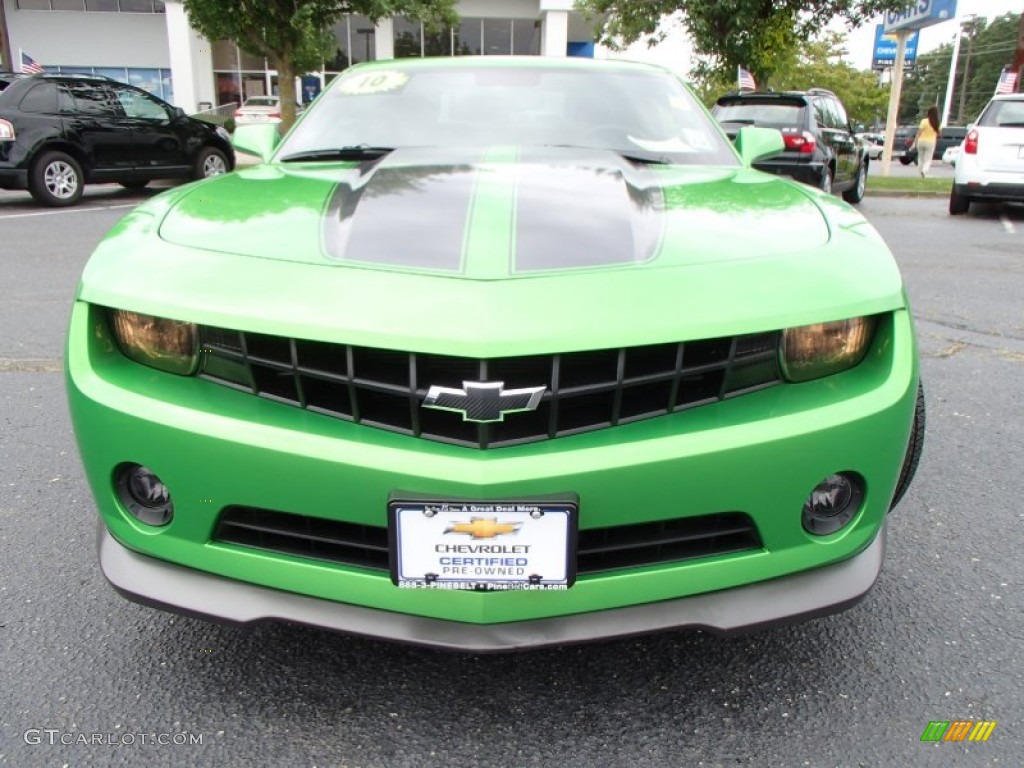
x,y
919,14
884,53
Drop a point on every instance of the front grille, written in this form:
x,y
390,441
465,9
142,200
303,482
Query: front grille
x,y
584,390
598,549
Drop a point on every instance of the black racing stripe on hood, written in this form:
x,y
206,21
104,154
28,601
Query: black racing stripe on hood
x,y
402,211
591,210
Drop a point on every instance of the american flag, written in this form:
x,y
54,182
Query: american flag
x,y
745,80
1007,81
29,65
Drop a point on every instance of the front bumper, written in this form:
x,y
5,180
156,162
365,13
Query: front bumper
x,y
759,454
13,178
183,590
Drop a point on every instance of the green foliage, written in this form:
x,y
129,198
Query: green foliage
x,y
992,49
295,35
820,65
761,35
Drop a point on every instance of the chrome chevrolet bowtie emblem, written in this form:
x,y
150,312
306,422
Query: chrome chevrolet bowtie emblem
x,y
483,401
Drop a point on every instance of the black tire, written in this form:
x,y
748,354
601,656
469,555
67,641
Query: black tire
x,y
856,193
958,204
906,160
56,179
210,162
914,448
826,180
134,184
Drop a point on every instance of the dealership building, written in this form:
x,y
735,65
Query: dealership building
x,y
150,43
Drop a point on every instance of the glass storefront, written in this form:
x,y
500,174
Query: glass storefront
x,y
240,76
94,6
472,37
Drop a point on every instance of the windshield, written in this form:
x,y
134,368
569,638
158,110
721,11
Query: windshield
x,y
261,101
642,114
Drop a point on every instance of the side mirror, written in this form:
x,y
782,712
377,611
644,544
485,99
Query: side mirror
x,y
177,113
260,140
755,143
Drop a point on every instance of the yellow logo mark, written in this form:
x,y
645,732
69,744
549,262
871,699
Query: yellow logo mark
x,y
483,528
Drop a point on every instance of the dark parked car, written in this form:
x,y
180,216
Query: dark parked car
x,y
821,147
60,132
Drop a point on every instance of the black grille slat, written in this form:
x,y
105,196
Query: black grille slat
x,y
585,391
598,550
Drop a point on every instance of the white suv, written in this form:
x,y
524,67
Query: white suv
x,y
991,161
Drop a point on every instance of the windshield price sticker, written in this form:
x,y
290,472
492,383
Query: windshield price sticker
x,y
374,82
482,545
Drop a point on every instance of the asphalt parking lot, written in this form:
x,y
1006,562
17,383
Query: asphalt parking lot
x,y
939,638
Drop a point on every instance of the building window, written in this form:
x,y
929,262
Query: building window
x,y
408,38
473,37
98,6
238,74
356,42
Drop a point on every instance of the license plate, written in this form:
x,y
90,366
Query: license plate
x,y
483,545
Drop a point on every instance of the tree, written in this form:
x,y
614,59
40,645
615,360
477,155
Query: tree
x,y
295,35
993,48
760,35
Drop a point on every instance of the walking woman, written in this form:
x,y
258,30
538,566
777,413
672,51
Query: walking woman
x,y
927,137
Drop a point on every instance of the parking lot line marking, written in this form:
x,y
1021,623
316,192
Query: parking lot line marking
x,y
67,210
1008,225
33,365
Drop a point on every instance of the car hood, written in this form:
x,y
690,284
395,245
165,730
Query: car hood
x,y
507,254
496,214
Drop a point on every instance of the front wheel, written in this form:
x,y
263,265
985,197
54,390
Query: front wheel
x,y
914,447
56,179
856,193
209,162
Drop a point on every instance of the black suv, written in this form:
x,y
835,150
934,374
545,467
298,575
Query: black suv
x,y
59,132
821,147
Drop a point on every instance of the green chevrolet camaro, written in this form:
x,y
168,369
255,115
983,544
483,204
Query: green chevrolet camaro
x,y
496,353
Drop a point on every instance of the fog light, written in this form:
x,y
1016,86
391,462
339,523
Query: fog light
x,y
833,503
144,494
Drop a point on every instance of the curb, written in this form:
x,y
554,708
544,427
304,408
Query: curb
x,y
903,193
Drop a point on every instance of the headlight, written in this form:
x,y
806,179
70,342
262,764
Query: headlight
x,y
169,345
812,351
222,132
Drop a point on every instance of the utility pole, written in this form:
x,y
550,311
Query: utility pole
x,y
970,28
5,43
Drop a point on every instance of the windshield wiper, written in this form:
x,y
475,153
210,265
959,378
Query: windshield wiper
x,y
646,157
354,152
